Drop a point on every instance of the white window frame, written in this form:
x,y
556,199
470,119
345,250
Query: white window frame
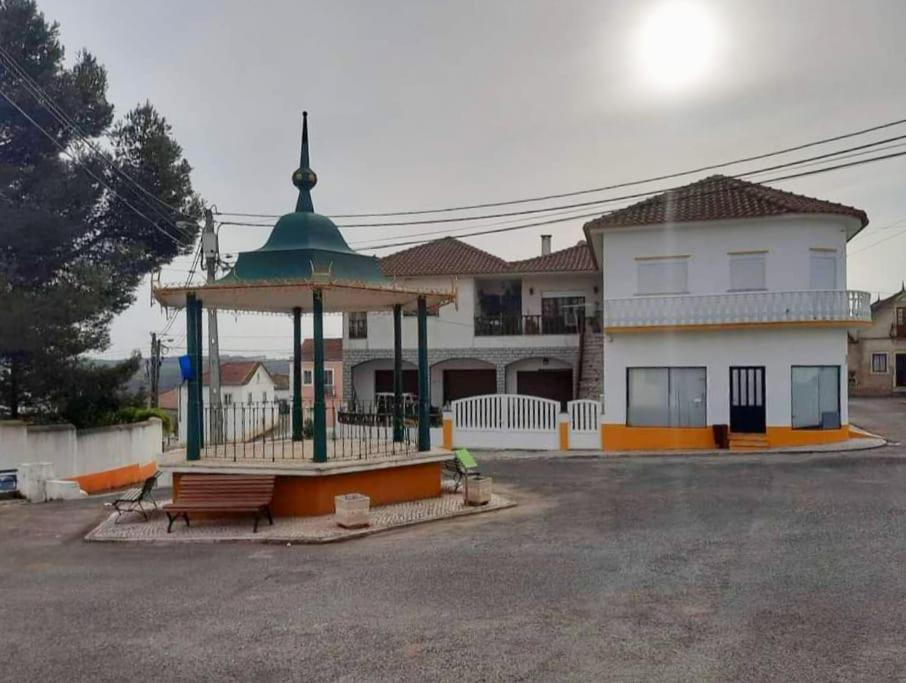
x,y
673,406
328,372
739,257
793,402
308,376
642,289
886,369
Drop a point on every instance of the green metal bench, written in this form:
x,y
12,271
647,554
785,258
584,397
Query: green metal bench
x,y
462,465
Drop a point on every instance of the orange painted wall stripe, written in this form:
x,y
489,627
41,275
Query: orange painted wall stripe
x,y
117,478
616,437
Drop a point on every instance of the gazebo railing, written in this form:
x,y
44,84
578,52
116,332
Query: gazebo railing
x,y
263,432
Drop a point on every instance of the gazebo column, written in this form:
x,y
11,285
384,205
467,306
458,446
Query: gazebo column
x,y
320,413
199,355
297,374
192,417
424,399
397,372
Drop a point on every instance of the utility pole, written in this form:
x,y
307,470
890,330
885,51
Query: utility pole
x,y
154,370
211,253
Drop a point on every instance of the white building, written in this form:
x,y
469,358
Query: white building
x,y
249,398
516,326
725,303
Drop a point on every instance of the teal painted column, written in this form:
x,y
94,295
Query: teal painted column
x,y
297,374
397,372
320,416
199,352
424,398
192,418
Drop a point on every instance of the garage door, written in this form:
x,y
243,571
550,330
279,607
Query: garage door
x,y
383,382
466,383
553,384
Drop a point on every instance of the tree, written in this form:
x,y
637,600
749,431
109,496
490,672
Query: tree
x,y
88,208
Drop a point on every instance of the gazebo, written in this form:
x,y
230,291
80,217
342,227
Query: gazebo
x,y
306,266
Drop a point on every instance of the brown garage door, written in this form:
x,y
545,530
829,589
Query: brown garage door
x,y
553,384
465,383
383,382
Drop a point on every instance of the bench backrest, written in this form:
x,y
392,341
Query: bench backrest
x,y
238,487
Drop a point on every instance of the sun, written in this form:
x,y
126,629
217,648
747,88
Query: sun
x,y
676,45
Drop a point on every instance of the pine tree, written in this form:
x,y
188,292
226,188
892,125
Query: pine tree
x,y
73,247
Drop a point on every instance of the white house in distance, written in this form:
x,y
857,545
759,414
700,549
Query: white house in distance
x,y
516,326
725,304
245,386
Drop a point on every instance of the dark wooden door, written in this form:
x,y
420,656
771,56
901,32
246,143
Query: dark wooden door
x,y
901,370
466,383
747,399
553,384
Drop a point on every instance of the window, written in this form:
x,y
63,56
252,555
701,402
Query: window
x,y
248,398
816,397
562,314
358,325
662,275
306,377
747,272
328,377
901,322
879,363
823,269
666,397
228,399
264,397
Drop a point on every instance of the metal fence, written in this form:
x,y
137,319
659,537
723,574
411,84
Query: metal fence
x,y
263,431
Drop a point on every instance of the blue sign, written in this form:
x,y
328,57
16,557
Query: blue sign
x,y
185,367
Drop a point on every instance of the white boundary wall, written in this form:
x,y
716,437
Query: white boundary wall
x,y
76,452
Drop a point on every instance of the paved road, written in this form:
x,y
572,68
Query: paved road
x,y
730,568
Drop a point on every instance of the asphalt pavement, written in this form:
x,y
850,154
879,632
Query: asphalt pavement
x,y
774,567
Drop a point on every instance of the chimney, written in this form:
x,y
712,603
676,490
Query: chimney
x,y
545,245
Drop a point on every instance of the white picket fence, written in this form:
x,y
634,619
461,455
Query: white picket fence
x,y
522,422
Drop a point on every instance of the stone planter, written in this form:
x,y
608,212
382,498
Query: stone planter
x,y
477,490
352,510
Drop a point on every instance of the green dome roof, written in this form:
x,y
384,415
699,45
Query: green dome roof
x,y
304,242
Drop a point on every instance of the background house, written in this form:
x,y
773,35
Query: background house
x,y
247,394
517,327
333,370
877,354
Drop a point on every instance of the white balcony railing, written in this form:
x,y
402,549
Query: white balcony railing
x,y
738,307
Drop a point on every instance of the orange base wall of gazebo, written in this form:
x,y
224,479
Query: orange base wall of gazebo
x,y
313,495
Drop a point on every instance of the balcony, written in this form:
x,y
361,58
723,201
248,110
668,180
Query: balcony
x,y
832,306
514,324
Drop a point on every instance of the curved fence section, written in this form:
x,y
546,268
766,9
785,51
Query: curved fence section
x,y
505,412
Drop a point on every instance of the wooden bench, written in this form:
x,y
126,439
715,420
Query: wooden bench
x,y
244,493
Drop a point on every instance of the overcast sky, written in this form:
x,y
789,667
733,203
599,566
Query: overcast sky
x,y
427,104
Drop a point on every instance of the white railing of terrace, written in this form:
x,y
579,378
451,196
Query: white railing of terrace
x,y
738,307
498,412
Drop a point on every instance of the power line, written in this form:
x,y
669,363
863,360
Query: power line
x,y
561,195
55,110
88,171
597,202
591,215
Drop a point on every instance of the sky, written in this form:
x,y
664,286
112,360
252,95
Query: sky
x,y
419,105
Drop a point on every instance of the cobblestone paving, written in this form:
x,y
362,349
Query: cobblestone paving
x,y
288,529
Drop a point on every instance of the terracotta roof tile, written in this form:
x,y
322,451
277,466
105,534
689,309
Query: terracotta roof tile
x,y
720,197
235,373
169,400
333,350
571,259
449,256
446,256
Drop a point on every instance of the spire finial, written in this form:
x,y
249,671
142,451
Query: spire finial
x,y
304,178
